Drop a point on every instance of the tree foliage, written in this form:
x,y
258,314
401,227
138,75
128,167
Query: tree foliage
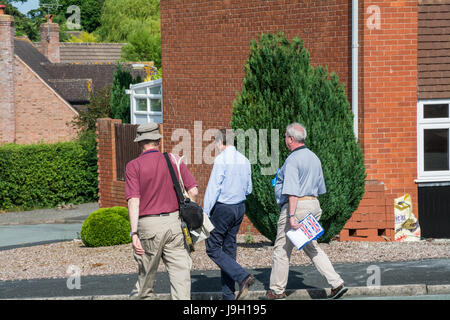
x,y
25,26
280,87
143,45
98,107
90,12
120,101
136,22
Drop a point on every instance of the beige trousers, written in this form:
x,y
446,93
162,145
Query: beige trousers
x,y
162,238
283,249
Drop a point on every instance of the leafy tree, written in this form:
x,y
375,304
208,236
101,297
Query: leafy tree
x,y
119,19
143,45
90,11
99,107
280,87
25,26
136,22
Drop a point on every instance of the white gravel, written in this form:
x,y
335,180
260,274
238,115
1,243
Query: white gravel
x,y
53,260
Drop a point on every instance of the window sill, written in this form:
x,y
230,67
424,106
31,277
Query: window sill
x,y
433,182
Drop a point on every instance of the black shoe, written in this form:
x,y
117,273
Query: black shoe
x,y
244,285
338,292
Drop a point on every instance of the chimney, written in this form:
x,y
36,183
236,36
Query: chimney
x,y
7,96
50,39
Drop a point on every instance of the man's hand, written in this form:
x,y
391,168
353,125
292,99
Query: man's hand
x,y
137,245
294,224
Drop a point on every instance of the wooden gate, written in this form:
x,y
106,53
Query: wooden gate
x,y
126,149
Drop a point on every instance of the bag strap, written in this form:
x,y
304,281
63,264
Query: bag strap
x,y
180,178
176,184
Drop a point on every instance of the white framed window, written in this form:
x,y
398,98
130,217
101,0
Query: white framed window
x,y
433,140
146,102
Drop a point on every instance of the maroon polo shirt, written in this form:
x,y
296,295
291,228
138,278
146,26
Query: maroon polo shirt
x,y
148,178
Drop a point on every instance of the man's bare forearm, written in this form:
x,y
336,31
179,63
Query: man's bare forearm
x,y
193,192
293,200
133,213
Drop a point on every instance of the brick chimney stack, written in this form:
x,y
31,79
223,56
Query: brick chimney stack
x,y
50,39
7,95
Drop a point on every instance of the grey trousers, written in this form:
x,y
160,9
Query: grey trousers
x,y
162,238
283,249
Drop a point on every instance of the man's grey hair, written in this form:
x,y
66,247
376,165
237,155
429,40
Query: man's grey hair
x,y
296,131
142,143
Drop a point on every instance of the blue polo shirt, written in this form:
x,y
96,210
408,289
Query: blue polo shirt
x,y
301,175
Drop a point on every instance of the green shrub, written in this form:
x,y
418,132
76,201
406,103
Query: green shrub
x,y
106,227
45,175
280,87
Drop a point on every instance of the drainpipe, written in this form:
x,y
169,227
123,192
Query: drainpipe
x,y
355,66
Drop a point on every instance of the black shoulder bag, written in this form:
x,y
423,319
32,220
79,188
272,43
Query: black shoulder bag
x,y
191,213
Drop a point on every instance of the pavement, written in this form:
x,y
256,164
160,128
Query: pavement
x,y
423,279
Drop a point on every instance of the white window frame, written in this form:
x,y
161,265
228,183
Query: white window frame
x,y
423,124
148,96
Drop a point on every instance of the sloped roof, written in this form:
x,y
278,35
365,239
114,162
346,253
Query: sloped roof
x,y
32,57
85,52
90,52
72,81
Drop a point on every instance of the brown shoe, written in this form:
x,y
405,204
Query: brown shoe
x,y
338,292
270,295
244,285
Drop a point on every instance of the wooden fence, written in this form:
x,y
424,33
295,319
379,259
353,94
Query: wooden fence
x,y
126,149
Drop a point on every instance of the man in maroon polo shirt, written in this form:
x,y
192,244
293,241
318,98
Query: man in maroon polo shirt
x,y
154,218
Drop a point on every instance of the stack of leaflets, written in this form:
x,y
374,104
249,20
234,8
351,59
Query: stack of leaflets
x,y
309,230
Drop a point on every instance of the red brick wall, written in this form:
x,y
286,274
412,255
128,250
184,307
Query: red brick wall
x,y
41,114
205,44
204,47
388,108
374,218
111,191
7,111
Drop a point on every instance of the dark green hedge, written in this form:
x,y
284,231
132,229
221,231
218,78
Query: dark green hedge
x,y
45,175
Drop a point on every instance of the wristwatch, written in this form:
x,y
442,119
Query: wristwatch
x,y
131,233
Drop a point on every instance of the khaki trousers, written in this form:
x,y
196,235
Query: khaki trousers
x,y
283,249
162,238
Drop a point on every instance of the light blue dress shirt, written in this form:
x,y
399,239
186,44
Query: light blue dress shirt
x,y
230,181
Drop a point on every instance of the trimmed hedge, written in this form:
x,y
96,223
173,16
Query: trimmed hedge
x,y
45,175
106,227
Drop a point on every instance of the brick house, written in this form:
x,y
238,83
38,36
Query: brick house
x,y
44,86
402,100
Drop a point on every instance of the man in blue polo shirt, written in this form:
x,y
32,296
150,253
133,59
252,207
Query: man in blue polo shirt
x,y
229,184
298,184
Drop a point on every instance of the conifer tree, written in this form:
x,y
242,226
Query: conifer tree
x,y
120,101
280,87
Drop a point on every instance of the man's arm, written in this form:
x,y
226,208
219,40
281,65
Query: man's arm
x,y
249,185
293,200
133,213
193,193
214,187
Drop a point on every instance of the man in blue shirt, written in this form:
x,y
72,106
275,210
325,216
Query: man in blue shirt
x,y
298,184
229,184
